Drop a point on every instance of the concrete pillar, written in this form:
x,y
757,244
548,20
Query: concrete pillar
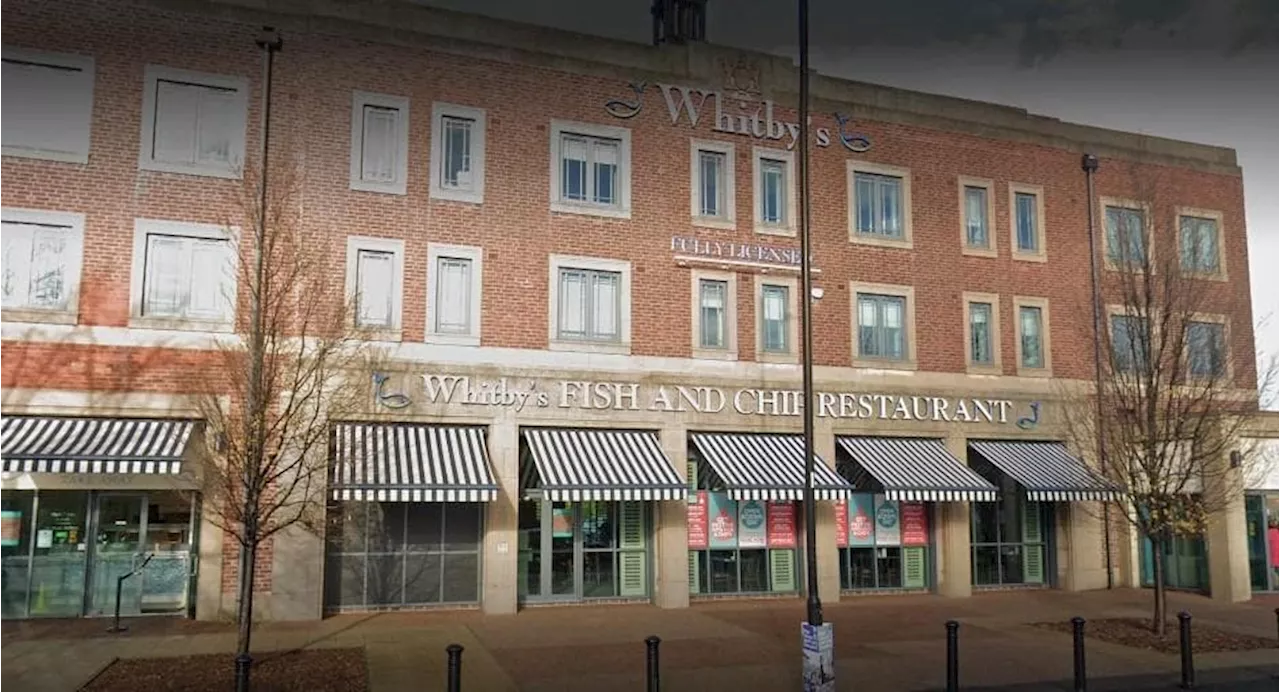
x,y
297,556
951,537
671,531
1226,540
209,563
500,563
827,554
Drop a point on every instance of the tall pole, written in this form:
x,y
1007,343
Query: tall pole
x,y
1089,163
806,328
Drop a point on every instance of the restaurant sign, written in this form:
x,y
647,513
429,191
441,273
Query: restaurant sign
x,y
520,394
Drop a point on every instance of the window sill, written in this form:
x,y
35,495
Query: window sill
x,y
1030,256
878,241
991,370
42,316
590,210
225,172
716,223
179,324
464,196
589,347
885,364
1204,276
979,251
453,339
379,334
714,354
784,231
46,155
1035,372
777,358
380,188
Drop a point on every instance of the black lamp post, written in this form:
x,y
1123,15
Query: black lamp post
x,y
1089,164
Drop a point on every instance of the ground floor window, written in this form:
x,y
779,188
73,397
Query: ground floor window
x,y
883,544
1009,540
741,547
1262,517
583,550
62,551
394,554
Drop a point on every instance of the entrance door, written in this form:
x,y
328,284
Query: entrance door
x,y
582,550
120,522
1258,518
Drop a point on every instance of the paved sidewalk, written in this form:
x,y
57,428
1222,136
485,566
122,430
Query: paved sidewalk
x,y
893,643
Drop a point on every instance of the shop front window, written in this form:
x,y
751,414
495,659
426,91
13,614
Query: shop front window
x,y
883,544
582,550
15,550
59,559
394,554
1009,541
741,547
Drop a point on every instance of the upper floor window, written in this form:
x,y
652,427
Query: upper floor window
x,y
379,143
1031,336
590,301
1026,221
48,105
457,153
981,334
775,311
711,172
879,203
1130,343
454,285
375,280
1126,237
1199,241
184,274
591,173
976,221
193,122
882,326
41,264
1206,349
713,300
774,185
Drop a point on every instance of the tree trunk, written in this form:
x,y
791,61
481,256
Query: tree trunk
x,y
1157,562
244,612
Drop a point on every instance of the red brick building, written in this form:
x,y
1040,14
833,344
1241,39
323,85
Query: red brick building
x,y
554,209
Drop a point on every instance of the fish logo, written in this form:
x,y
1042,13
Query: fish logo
x,y
1029,422
396,400
620,108
853,141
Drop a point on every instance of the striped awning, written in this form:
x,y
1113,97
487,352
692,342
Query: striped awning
x,y
914,469
47,444
410,462
574,465
766,467
1046,471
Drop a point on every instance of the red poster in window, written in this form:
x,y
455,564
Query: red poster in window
x,y
697,513
842,524
915,523
782,525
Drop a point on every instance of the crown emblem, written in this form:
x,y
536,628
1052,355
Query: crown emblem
x,y
741,78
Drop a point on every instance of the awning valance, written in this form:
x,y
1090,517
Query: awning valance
x,y
574,465
1046,471
914,469
766,466
51,444
410,462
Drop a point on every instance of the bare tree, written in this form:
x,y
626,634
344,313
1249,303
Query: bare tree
x,y
1175,389
277,387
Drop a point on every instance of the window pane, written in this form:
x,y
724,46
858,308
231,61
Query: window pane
x,y
1206,349
461,527
375,275
1126,237
424,526
377,148
17,239
1026,219
980,333
215,121
773,191
605,306
975,216
209,279
605,172
868,326
1032,357
775,318
711,190
456,161
573,182
48,268
865,191
1199,244
890,206
177,109
573,303
894,327
166,276
712,303
453,295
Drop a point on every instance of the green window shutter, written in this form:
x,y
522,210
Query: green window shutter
x,y
692,467
915,568
695,575
782,570
633,562
1031,523
1033,564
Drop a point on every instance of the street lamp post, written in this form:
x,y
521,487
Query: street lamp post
x,y
816,637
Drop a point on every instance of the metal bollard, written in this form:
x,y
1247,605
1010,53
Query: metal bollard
x,y
455,667
243,663
953,656
1077,644
651,663
1184,645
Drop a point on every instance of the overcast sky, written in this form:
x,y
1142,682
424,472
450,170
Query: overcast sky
x,y
1179,81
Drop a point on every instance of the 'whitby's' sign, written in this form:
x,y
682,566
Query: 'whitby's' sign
x,y
755,120
629,396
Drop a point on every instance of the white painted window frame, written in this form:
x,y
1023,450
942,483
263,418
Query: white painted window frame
x,y
142,228
74,222
396,247
557,130
360,99
78,143
439,111
792,284
787,229
728,220
623,268
730,350
475,255
152,75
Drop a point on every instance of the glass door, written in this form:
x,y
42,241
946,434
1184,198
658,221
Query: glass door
x,y
121,524
582,550
166,580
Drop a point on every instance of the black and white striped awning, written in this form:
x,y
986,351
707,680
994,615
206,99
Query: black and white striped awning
x,y
766,467
410,462
1045,470
574,465
47,444
914,469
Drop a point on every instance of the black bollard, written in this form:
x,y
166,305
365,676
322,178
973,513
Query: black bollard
x,y
1077,643
953,656
243,663
1184,645
651,663
455,667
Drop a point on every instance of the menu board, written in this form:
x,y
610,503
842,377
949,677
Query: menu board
x,y
722,521
862,529
915,523
697,514
782,525
842,523
888,527
751,528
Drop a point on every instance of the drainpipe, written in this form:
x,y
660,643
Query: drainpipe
x,y
1089,163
